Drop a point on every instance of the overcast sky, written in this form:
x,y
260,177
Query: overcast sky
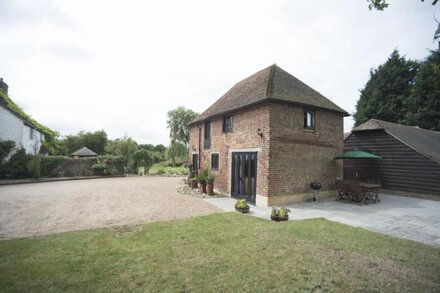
x,y
121,65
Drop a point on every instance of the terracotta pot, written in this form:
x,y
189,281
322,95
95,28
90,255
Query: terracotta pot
x,y
243,211
278,218
193,183
202,187
210,189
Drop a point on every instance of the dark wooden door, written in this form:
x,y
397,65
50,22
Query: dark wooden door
x,y
244,176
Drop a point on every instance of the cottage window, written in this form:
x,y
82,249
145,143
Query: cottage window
x,y
31,133
227,124
214,161
195,162
309,119
207,135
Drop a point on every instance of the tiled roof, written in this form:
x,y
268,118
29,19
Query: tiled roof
x,y
269,84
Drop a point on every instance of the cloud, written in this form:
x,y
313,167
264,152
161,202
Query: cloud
x,y
15,13
126,63
69,52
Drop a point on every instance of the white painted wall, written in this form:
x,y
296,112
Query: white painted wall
x,y
13,128
31,145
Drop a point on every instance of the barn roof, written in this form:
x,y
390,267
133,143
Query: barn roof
x,y
84,152
269,84
426,142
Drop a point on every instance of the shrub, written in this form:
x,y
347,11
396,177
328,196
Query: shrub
x,y
49,163
161,171
34,167
6,148
241,204
281,213
16,166
109,165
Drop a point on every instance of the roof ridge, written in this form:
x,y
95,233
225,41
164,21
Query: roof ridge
x,y
269,87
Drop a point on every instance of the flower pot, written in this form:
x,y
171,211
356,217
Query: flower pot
x,y
278,218
193,183
243,210
202,188
210,189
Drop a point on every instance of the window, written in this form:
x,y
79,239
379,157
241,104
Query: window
x,y
214,161
309,119
207,141
195,162
31,133
227,124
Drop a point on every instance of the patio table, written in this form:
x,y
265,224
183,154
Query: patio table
x,y
371,191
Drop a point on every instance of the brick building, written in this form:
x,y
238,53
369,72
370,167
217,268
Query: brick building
x,y
268,137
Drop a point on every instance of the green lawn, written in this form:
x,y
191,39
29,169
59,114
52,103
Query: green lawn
x,y
221,252
162,168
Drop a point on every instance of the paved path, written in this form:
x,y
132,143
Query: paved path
x,y
43,208
404,217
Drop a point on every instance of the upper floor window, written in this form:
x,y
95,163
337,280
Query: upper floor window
x,y
207,135
227,123
309,119
31,133
214,161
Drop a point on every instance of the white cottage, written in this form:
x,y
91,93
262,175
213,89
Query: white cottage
x,y
15,127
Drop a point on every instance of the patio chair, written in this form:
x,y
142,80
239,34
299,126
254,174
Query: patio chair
x,y
356,192
341,188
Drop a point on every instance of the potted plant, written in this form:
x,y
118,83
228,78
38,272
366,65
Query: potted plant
x,y
193,183
279,215
201,179
209,184
242,206
192,180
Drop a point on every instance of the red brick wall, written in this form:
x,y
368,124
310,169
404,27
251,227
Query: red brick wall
x,y
297,156
300,156
243,136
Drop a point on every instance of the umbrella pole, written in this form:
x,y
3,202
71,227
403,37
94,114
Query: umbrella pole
x,y
355,168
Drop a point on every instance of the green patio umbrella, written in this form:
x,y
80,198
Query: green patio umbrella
x,y
357,155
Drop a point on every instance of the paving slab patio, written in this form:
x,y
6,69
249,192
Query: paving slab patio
x,y
409,218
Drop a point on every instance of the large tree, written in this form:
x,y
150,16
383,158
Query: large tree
x,y
382,4
178,120
424,106
125,147
96,141
386,94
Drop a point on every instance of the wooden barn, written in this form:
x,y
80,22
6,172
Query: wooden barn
x,y
410,156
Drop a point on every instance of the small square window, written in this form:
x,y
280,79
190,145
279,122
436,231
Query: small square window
x,y
309,119
227,124
214,161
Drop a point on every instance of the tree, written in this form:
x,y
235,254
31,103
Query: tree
x,y
176,150
142,159
424,106
95,141
386,94
124,147
178,120
160,148
382,4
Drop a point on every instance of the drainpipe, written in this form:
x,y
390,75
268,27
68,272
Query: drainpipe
x,y
200,146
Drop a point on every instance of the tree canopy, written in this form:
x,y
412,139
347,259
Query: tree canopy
x,y
178,120
95,141
424,105
386,94
382,4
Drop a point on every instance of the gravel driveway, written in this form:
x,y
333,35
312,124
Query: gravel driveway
x,y
43,208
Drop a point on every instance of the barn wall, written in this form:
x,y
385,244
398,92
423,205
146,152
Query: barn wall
x,y
401,167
